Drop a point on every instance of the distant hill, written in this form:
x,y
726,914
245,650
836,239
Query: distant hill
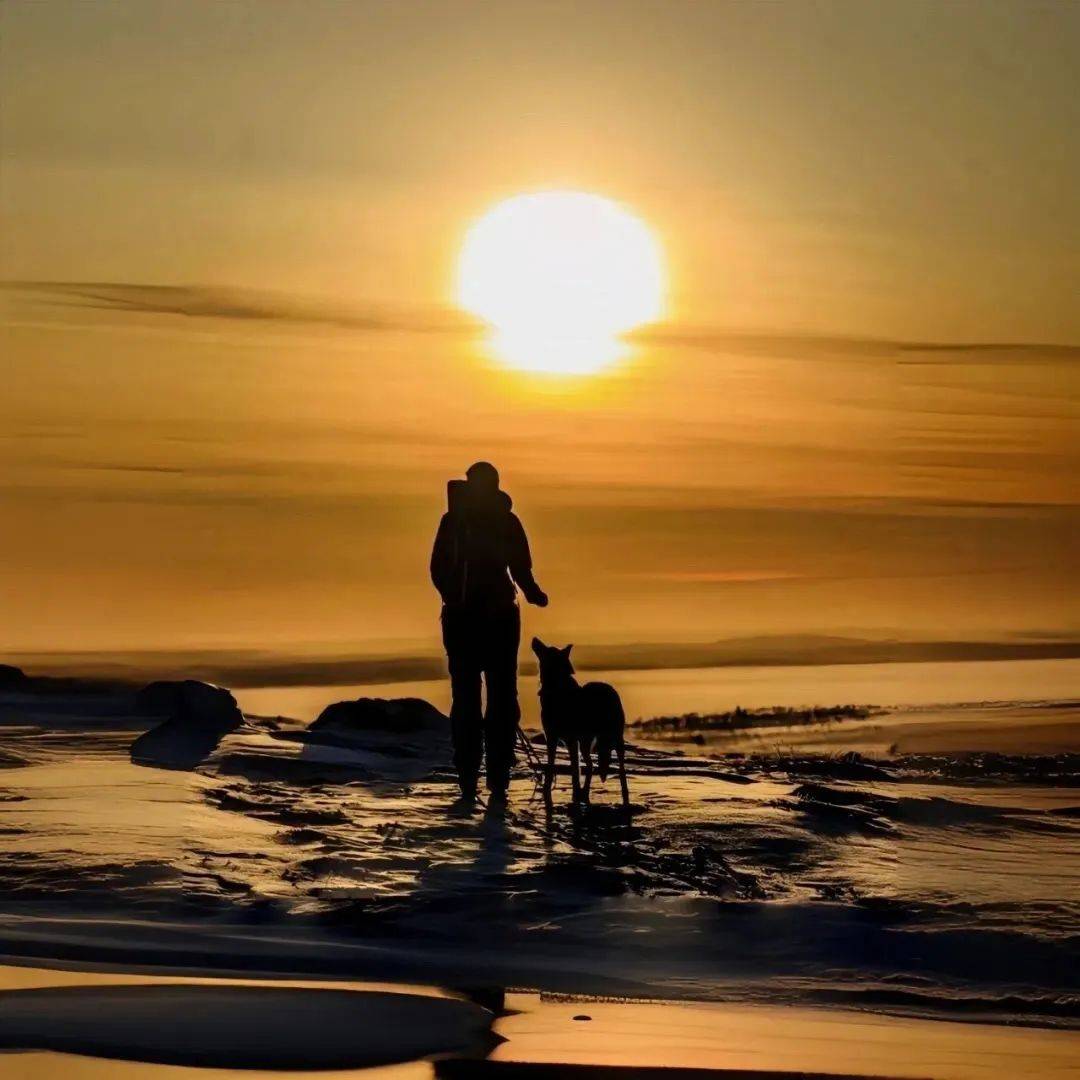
x,y
241,669
815,649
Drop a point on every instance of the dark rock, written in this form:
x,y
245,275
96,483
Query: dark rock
x,y
392,716
12,678
197,717
198,704
389,738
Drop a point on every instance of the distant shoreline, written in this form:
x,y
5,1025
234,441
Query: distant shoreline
x,y
247,669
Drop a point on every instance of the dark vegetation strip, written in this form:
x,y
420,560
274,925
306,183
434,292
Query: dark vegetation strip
x,y
739,719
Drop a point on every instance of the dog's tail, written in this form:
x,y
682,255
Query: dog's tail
x,y
612,737
603,759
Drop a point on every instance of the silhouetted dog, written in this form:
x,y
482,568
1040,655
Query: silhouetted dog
x,y
579,716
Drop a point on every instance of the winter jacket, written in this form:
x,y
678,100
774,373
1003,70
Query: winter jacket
x,y
481,551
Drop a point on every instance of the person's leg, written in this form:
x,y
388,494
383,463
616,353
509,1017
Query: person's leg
x,y
503,712
466,719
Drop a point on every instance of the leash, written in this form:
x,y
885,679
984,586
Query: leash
x,y
532,759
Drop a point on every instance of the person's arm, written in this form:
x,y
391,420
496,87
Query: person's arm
x,y
520,563
442,557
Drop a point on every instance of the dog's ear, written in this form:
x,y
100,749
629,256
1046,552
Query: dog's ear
x,y
538,646
566,651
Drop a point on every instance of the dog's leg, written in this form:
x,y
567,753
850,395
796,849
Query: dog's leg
x,y
621,751
572,746
588,767
549,772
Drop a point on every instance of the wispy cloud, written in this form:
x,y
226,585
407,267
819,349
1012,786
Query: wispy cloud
x,y
989,350
741,577
221,302
709,577
810,345
213,302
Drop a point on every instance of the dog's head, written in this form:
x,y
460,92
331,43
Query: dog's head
x,y
555,665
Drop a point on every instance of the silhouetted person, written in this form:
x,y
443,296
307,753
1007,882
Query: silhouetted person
x,y
480,553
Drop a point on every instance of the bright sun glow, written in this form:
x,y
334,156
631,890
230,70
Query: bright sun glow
x,y
558,276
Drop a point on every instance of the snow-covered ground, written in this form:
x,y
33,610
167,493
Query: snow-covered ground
x,y
939,884
765,866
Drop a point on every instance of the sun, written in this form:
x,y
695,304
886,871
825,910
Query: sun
x,y
558,276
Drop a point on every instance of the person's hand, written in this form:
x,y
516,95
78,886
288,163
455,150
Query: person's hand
x,y
538,597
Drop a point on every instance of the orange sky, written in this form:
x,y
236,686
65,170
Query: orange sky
x,y
243,438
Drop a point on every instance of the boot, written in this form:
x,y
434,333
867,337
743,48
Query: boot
x,y
468,785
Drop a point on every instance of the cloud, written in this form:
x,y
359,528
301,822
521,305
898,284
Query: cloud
x,y
217,302
742,577
212,302
711,577
991,350
811,346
